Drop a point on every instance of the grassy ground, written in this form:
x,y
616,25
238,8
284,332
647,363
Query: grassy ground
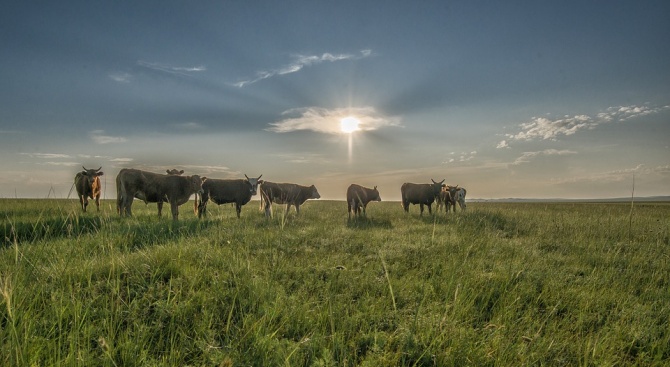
x,y
501,284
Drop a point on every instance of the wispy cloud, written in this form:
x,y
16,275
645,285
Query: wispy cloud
x,y
121,160
300,62
120,77
170,69
99,137
455,157
188,126
65,164
47,155
324,120
543,128
302,158
526,157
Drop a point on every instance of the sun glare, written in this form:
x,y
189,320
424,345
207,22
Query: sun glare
x,y
349,124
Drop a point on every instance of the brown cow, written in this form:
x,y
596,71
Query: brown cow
x,y
286,193
133,183
444,199
227,191
358,197
422,194
87,183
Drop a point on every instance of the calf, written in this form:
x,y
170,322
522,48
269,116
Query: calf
x,y
87,183
358,197
286,193
227,191
457,196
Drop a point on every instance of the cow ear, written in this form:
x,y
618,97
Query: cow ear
x,y
100,173
260,182
375,188
84,173
181,172
203,178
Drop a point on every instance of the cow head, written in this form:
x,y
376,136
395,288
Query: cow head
x,y
91,174
313,193
253,182
174,172
376,194
437,187
195,182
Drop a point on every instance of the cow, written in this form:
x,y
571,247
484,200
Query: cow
x,y
457,195
177,189
87,183
238,192
422,194
358,197
444,199
133,183
286,193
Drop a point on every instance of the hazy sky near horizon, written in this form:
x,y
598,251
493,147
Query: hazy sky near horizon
x,y
527,99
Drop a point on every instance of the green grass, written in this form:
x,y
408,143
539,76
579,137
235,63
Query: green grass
x,y
501,284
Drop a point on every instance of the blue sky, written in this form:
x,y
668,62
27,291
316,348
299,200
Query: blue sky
x,y
529,99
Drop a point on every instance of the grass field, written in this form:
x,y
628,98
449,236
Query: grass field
x,y
501,284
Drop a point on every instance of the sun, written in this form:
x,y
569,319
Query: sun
x,y
349,124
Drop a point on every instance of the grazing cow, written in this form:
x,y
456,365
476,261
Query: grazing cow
x,y
286,193
88,186
133,183
227,191
358,197
457,196
422,194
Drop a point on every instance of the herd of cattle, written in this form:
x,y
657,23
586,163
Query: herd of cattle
x,y
176,189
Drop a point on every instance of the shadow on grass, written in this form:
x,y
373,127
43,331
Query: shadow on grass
x,y
366,223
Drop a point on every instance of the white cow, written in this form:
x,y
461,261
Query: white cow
x,y
457,195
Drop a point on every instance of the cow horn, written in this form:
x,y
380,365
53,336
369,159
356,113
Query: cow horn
x,y
245,175
259,177
99,169
84,168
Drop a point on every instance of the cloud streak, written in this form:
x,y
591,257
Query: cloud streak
x,y
327,121
542,128
526,157
175,70
100,137
300,62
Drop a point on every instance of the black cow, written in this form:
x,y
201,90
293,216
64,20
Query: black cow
x,y
286,193
227,191
358,197
422,194
133,183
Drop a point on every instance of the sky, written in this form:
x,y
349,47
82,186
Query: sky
x,y
523,99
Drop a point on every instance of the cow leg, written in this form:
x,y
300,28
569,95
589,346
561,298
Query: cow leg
x,y
297,208
202,207
430,211
364,213
175,210
268,209
160,208
238,209
405,205
97,202
84,203
421,206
